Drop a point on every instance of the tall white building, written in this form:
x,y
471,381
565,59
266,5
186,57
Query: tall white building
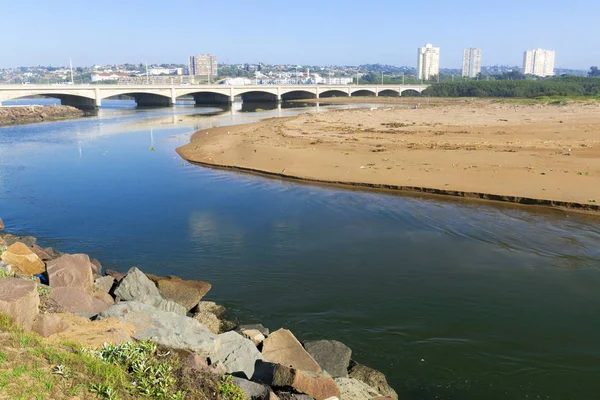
x,y
471,62
203,65
428,61
539,62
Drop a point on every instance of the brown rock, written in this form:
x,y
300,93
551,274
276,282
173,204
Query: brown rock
x,y
199,364
373,378
317,386
283,348
20,300
211,307
96,266
48,324
92,334
1,224
41,253
73,271
53,253
3,244
78,301
118,276
209,320
186,293
23,259
254,335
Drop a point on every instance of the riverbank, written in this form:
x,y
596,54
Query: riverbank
x,y
544,154
18,115
69,328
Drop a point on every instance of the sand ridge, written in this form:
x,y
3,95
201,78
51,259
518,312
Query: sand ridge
x,y
536,154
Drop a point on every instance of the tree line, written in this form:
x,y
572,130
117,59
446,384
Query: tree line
x,y
555,86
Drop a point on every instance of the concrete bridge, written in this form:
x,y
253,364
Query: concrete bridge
x,y
90,96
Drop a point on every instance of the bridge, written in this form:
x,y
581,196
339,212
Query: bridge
x,y
89,97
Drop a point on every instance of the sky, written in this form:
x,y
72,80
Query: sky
x,y
308,32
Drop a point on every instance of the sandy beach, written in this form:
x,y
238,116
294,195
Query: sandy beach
x,y
532,154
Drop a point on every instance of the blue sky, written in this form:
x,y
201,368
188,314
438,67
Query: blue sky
x,y
320,32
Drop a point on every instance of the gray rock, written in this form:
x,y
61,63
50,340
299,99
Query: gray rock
x,y
104,284
332,356
353,389
373,378
12,239
210,320
237,354
211,307
293,396
165,328
5,269
19,300
252,390
162,304
258,327
136,284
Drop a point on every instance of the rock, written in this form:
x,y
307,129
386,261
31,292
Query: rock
x,y
295,396
320,387
19,299
1,224
210,320
5,269
41,253
136,284
118,276
53,253
161,303
283,348
227,325
236,353
96,266
48,324
186,293
165,328
26,240
77,301
104,284
3,244
332,356
258,327
252,390
353,389
92,334
253,334
23,259
211,307
373,378
72,271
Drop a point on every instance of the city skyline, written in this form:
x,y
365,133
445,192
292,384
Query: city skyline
x,y
122,32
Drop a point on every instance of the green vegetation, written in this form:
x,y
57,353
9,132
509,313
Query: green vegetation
x,y
30,368
571,86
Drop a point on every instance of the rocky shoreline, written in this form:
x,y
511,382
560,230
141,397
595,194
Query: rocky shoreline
x,y
33,114
69,298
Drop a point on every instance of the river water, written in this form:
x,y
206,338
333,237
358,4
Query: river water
x,y
450,299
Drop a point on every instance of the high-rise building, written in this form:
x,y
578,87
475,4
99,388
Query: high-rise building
x,y
471,62
428,61
539,62
204,65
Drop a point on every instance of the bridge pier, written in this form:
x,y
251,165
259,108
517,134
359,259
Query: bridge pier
x,y
82,103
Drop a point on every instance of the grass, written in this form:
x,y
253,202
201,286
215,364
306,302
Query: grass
x,y
30,368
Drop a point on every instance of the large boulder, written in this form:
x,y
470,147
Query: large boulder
x,y
211,307
72,271
161,303
117,276
79,302
353,389
253,334
332,356
23,259
258,327
373,378
165,328
26,240
1,224
91,334
237,354
283,348
48,324
96,266
318,386
41,253
210,320
186,293
19,299
104,284
136,284
252,390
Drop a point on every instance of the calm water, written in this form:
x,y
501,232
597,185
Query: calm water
x,y
451,300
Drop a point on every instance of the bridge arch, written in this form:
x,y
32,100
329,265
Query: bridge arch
x,y
389,93
144,99
258,96
333,93
413,92
363,92
298,95
208,97
66,99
